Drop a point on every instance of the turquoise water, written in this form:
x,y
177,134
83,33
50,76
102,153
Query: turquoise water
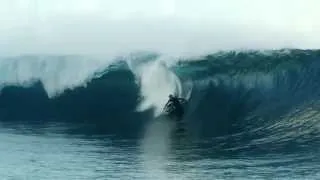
x,y
52,152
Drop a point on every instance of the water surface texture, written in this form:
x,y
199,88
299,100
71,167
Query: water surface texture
x,y
250,115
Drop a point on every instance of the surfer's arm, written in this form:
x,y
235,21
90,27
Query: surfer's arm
x,y
182,100
168,103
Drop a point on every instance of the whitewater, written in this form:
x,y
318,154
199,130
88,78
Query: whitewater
x,y
83,85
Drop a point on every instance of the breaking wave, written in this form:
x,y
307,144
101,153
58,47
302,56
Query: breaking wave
x,y
250,99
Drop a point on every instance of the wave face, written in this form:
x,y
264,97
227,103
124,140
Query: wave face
x,y
265,100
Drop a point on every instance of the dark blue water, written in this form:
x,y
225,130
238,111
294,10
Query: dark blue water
x,y
251,115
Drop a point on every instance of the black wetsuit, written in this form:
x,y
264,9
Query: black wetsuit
x,y
175,103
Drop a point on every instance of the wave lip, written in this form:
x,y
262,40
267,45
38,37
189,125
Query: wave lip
x,y
56,73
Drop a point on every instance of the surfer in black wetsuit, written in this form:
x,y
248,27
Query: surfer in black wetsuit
x,y
174,105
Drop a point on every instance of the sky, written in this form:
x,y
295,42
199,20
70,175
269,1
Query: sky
x,y
172,27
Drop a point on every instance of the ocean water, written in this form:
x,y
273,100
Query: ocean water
x,y
250,115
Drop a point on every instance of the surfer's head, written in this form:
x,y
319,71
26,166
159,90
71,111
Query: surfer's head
x,y
170,96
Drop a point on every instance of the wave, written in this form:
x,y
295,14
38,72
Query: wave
x,y
251,99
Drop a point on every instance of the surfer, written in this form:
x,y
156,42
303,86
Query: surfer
x,y
174,106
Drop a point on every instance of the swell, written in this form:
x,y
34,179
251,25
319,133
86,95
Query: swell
x,y
242,101
256,102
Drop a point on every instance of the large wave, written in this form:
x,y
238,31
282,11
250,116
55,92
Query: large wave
x,y
252,99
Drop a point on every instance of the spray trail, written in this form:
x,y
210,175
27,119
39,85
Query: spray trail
x,y
156,82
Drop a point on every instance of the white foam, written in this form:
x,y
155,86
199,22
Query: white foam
x,y
156,83
56,74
